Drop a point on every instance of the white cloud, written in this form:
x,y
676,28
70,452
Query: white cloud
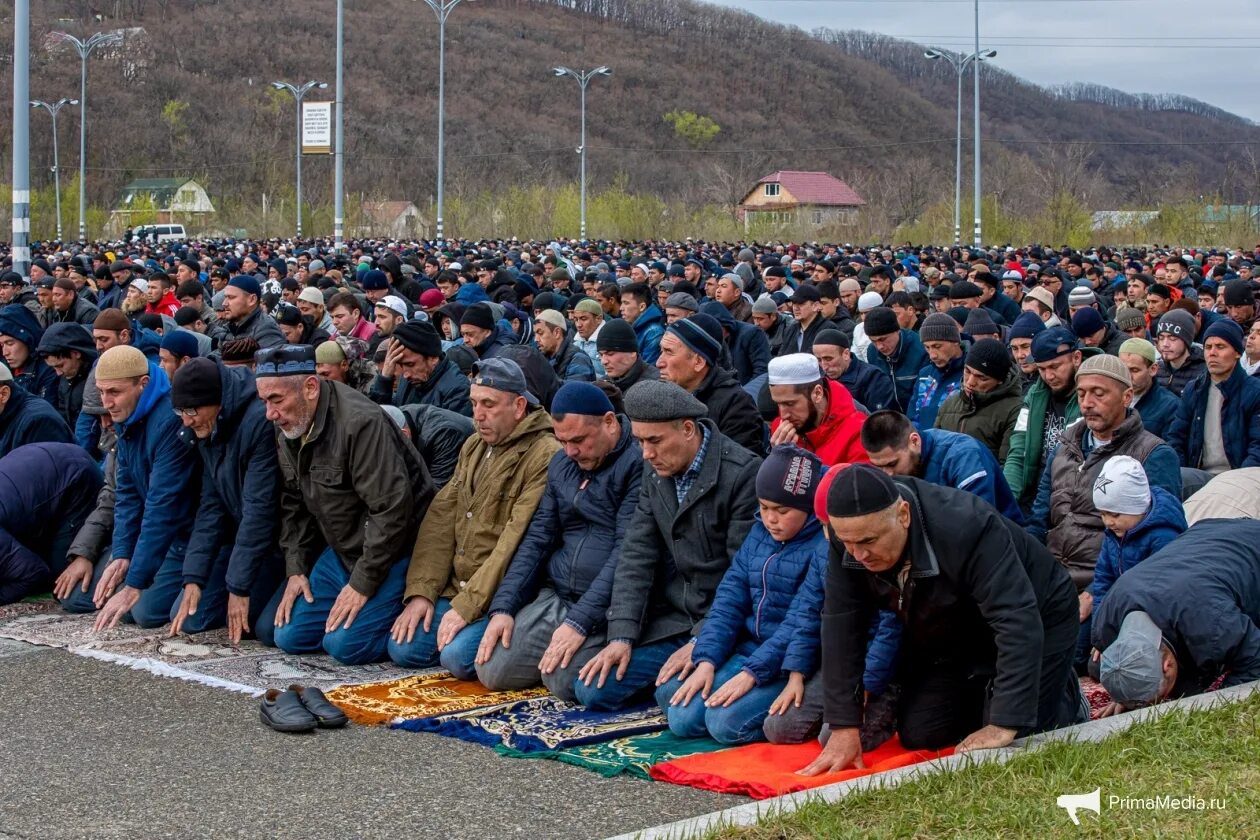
x,y
1139,46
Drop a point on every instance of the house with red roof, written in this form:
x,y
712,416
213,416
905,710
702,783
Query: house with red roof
x,y
811,199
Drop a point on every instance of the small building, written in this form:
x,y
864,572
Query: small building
x,y
393,220
812,199
160,201
1122,219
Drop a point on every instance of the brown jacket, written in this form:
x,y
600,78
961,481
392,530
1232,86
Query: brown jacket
x,y
354,484
472,530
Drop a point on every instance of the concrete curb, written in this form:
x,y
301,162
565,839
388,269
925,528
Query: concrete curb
x,y
1093,731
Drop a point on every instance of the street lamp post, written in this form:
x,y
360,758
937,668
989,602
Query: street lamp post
x,y
339,140
298,94
443,9
583,79
52,108
20,250
959,62
84,49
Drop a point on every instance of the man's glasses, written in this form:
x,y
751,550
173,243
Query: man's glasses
x,y
185,412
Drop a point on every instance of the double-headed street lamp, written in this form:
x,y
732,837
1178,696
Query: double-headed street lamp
x,y
583,79
298,94
84,49
443,9
52,108
960,63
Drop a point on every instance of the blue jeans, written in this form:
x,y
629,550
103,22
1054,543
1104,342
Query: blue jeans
x,y
738,723
80,601
212,608
364,641
157,602
459,657
645,664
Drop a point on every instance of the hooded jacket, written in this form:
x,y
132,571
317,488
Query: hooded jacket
x,y
747,345
1164,522
27,419
1208,612
240,489
438,435
446,388
989,418
354,484
41,485
673,556
157,469
477,521
61,340
35,376
649,329
575,536
146,341
986,601
838,436
902,367
1240,420
732,409
934,386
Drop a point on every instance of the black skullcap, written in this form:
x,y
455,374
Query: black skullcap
x,y
832,338
860,490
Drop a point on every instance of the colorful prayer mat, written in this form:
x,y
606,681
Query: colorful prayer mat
x,y
632,756
765,770
1096,696
420,696
543,723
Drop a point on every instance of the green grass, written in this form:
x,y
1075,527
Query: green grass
x,y
1205,754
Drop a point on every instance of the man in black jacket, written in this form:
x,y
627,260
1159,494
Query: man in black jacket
x,y
619,354
414,356
68,348
696,504
990,618
547,618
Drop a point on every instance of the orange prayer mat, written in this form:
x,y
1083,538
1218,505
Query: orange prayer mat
x,y
761,771
423,695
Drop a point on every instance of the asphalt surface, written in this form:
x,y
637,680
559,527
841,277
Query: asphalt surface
x,y
93,750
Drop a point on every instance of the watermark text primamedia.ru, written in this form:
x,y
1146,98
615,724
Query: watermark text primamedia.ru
x,y
1165,803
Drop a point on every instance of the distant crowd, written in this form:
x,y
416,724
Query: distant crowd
x,y
785,491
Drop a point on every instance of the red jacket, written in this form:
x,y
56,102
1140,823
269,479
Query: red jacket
x,y
168,305
838,438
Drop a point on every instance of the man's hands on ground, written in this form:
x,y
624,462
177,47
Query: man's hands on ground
x,y
187,606
843,751
565,642
679,664
498,629
987,738
117,606
237,617
115,574
417,613
297,585
345,609
614,655
78,573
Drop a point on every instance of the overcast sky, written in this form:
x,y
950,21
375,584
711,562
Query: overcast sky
x,y
1207,49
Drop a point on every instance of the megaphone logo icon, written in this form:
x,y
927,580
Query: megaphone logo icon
x,y
1072,802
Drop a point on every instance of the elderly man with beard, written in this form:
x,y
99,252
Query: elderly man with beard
x,y
815,412
354,493
233,566
989,618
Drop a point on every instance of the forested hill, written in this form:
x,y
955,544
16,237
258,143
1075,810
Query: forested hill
x,y
188,95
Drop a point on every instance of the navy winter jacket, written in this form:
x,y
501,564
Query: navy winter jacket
x,y
902,368
574,538
240,489
1157,408
42,486
868,386
1240,421
649,329
153,507
935,385
951,459
28,419
445,388
1164,522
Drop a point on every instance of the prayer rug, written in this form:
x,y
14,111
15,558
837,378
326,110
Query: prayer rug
x,y
421,695
543,723
1096,696
632,756
761,771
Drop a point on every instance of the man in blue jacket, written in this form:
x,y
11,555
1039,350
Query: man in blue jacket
x,y
47,492
942,377
748,345
949,459
233,566
897,353
646,317
871,390
154,501
25,418
1217,426
547,619
1155,404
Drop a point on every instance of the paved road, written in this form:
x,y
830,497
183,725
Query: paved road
x,y
94,750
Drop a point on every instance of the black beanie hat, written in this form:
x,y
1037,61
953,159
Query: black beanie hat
x,y
789,477
991,358
479,315
859,490
616,336
1239,293
419,337
881,321
196,384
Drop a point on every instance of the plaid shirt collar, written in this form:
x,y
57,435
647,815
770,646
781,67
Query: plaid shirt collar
x,y
683,483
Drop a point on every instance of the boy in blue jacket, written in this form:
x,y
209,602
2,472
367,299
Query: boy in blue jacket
x,y
1139,521
741,647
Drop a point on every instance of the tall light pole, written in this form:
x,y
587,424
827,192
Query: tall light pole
x,y
583,79
52,108
975,76
959,62
21,248
339,138
298,94
84,49
443,9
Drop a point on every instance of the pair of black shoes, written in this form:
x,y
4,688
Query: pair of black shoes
x,y
299,709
